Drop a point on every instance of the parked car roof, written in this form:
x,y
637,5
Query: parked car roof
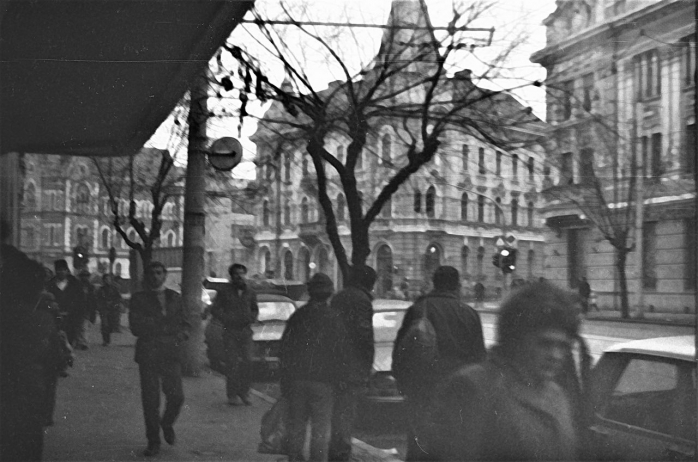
x,y
384,304
680,347
273,298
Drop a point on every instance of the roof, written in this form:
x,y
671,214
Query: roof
x,y
681,347
261,298
97,77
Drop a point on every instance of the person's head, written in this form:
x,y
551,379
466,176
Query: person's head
x,y
107,279
237,274
362,276
61,268
155,275
446,278
536,326
320,287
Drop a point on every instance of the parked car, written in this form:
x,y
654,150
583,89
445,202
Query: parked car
x,y
644,400
274,311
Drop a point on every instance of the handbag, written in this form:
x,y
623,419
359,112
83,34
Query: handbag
x,y
274,429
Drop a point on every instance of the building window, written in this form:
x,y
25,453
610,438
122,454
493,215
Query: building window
x,y
288,265
105,238
514,212
287,215
269,169
587,91
53,234
481,208
498,211
481,161
515,167
287,166
689,161
586,166
498,166
117,269
265,213
530,169
417,202
341,207
480,259
464,253
566,174
170,239
387,209
530,214
81,237
266,262
465,154
30,196
648,76
566,93
82,199
652,155
305,210
464,207
305,166
689,60
430,201
386,148
649,255
691,266
531,260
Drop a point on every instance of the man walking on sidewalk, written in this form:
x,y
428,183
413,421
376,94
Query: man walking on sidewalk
x,y
157,318
236,308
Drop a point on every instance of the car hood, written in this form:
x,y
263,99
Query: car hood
x,y
267,332
383,359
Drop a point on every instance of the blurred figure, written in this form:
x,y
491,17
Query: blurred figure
x,y
157,318
69,295
458,330
236,308
512,407
584,294
90,309
308,354
109,307
354,305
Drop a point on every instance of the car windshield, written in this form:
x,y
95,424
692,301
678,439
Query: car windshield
x,y
275,311
386,325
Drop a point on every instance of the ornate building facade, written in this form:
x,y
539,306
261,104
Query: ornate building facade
x,y
451,212
629,65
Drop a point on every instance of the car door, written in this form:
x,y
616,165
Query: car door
x,y
644,408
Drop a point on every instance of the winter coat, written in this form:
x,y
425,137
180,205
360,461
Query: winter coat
x,y
235,310
458,331
309,346
108,299
488,411
71,300
161,332
355,310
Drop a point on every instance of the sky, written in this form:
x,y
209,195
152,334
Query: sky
x,y
508,17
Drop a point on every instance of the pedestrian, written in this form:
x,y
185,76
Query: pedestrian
x,y
308,354
459,341
236,308
109,306
354,305
90,309
157,318
584,293
512,407
405,288
70,296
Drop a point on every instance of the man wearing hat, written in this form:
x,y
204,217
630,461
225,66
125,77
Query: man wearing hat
x,y
69,295
308,357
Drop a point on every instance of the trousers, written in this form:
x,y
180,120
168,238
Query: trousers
x,y
168,376
343,417
237,345
310,401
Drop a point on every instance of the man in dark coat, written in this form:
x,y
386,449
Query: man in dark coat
x,y
511,407
69,295
308,355
236,309
458,330
354,305
109,307
157,318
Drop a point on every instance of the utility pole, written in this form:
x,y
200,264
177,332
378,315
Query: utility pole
x,y
639,213
194,222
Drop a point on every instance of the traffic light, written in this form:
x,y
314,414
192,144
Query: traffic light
x,y
495,259
80,257
507,258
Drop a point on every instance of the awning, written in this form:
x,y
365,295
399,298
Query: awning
x,y
97,77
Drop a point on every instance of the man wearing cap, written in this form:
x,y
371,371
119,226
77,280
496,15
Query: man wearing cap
x,y
308,356
69,295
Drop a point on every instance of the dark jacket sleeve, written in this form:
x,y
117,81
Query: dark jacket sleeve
x,y
254,307
142,323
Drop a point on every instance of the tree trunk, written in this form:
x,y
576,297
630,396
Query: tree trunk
x,y
621,257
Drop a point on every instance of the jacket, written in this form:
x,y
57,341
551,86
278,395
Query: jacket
x,y
354,308
488,411
71,300
458,331
235,310
108,299
160,335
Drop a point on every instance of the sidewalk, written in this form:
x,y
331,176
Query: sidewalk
x,y
99,415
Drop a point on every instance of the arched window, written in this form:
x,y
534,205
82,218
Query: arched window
x,y
288,265
481,208
386,148
464,254
387,209
418,202
105,238
530,214
530,168
464,207
30,196
480,259
384,270
265,213
287,166
266,261
429,201
304,264
305,210
117,269
82,199
498,211
531,260
132,235
514,212
515,167
341,207
287,214
169,239
305,166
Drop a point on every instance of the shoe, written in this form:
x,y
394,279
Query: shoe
x,y
153,449
234,401
246,399
169,434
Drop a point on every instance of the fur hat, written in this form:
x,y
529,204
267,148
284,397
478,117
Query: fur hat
x,y
60,264
320,283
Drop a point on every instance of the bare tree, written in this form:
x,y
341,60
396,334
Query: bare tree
x,y
411,85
